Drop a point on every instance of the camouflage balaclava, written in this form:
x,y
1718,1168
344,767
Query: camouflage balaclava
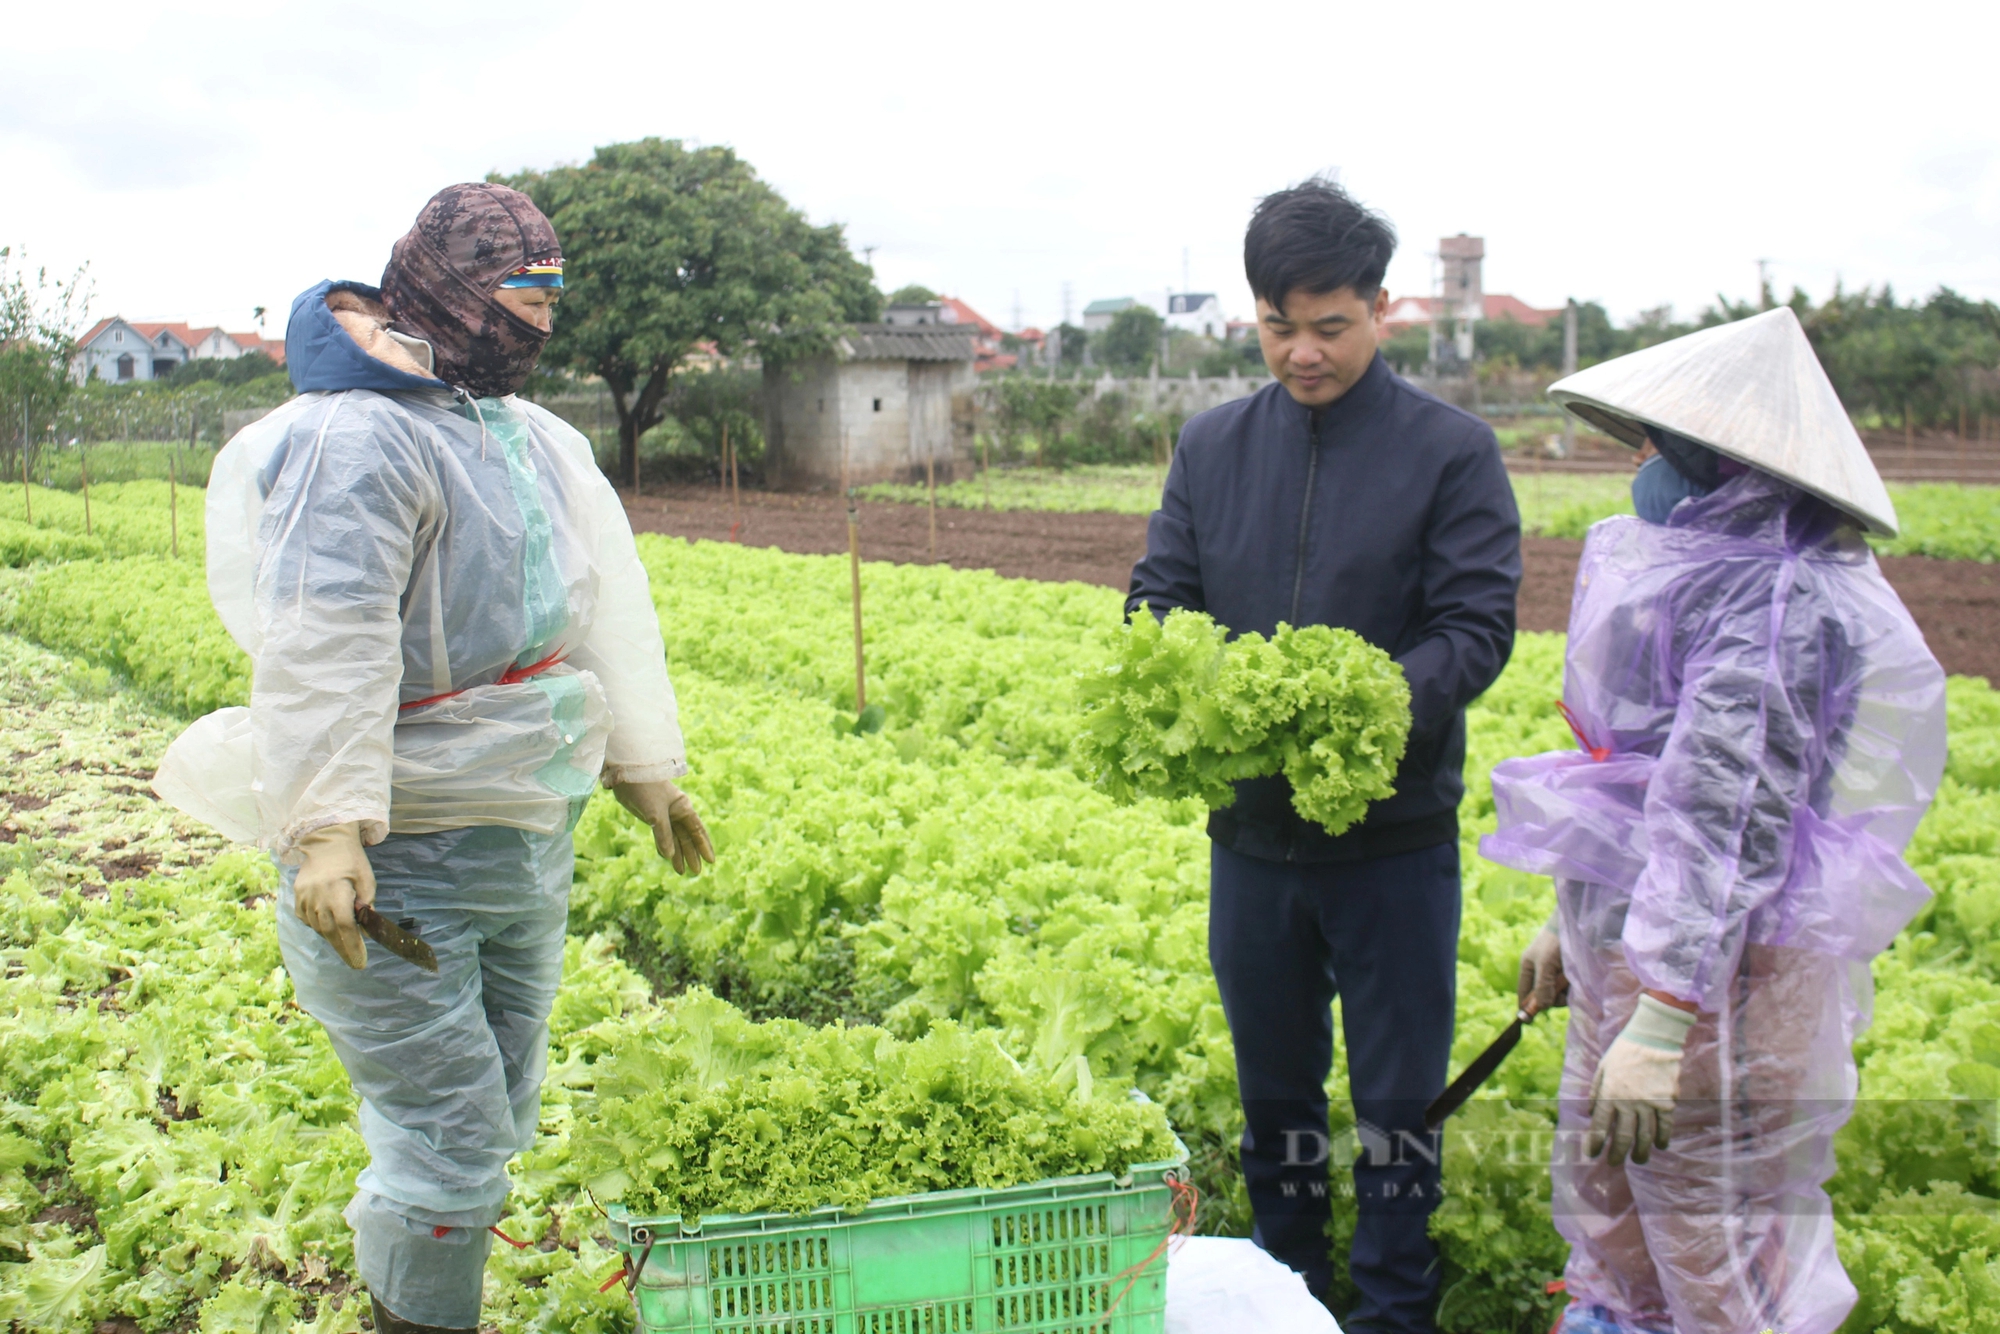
x,y
442,277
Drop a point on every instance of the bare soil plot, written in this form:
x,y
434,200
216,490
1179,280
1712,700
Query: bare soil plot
x,y
1957,603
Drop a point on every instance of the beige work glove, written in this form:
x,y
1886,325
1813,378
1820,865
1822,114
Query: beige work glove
x,y
678,832
334,879
1632,1099
1543,985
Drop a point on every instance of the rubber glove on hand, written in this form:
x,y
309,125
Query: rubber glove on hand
x,y
334,879
1543,984
678,832
1632,1100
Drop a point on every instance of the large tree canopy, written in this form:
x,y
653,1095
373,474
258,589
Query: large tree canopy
x,y
666,246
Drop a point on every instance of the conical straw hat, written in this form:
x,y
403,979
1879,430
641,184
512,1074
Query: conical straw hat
x,y
1752,390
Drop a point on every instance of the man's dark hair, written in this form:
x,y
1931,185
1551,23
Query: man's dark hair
x,y
1314,238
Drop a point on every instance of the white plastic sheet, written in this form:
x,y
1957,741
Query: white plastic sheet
x,y
1228,1285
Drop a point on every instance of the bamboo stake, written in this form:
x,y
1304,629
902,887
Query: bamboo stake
x,y
27,499
83,463
986,469
735,491
930,484
854,569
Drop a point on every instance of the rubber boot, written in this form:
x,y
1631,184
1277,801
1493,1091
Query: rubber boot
x,y
388,1323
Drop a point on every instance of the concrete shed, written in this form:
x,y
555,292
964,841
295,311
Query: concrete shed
x,y
886,394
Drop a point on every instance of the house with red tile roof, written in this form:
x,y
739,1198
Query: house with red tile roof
x,y
1411,312
987,355
123,351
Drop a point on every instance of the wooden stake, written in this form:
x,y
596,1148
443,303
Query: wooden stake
x,y
83,463
854,570
930,484
174,502
735,492
986,469
27,500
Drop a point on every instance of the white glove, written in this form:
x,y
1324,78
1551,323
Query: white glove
x,y
1632,1100
678,833
1543,984
334,879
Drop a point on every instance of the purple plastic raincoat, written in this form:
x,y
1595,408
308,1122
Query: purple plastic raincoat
x,y
1771,728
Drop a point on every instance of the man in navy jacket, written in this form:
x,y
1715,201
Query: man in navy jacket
x,y
1342,495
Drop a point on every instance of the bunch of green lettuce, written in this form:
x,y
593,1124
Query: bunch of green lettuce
x,y
700,1110
1179,710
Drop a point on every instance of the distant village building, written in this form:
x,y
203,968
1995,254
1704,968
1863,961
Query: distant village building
x,y
1097,316
1197,313
122,351
949,310
1463,299
1414,312
883,403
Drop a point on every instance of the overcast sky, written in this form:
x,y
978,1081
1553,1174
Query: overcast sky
x,y
206,159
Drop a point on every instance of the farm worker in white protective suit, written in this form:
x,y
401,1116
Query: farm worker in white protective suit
x,y
1763,727
453,643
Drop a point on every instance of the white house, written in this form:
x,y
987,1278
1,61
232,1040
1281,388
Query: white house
x,y
121,351
1197,313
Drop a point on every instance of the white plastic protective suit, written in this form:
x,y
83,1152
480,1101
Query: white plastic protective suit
x,y
1765,727
395,565
453,643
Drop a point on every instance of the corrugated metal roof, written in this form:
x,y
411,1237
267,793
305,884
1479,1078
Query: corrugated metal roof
x,y
928,342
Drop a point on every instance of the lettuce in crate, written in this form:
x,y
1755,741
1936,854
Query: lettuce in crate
x,y
697,1110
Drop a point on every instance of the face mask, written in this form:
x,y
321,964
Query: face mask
x,y
1657,487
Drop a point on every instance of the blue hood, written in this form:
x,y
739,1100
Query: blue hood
x,y
320,355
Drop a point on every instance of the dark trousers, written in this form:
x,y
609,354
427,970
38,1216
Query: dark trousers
x,y
1284,939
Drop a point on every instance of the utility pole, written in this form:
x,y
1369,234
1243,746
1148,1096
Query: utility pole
x,y
1569,368
1764,298
1437,310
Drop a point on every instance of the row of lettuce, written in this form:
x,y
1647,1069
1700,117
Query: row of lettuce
x,y
950,868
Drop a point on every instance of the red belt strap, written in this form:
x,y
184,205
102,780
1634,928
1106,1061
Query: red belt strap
x,y
512,676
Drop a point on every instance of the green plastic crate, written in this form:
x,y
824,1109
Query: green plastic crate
x,y
1040,1259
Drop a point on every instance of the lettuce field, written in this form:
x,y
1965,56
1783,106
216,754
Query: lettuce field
x,y
177,1140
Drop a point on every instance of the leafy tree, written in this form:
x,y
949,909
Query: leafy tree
x,y
40,321
1132,341
1073,341
666,246
912,294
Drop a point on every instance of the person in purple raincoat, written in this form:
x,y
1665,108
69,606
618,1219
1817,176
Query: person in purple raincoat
x,y
1762,728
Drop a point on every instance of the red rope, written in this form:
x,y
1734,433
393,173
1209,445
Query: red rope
x,y
1183,1193
517,1245
512,676
1598,753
